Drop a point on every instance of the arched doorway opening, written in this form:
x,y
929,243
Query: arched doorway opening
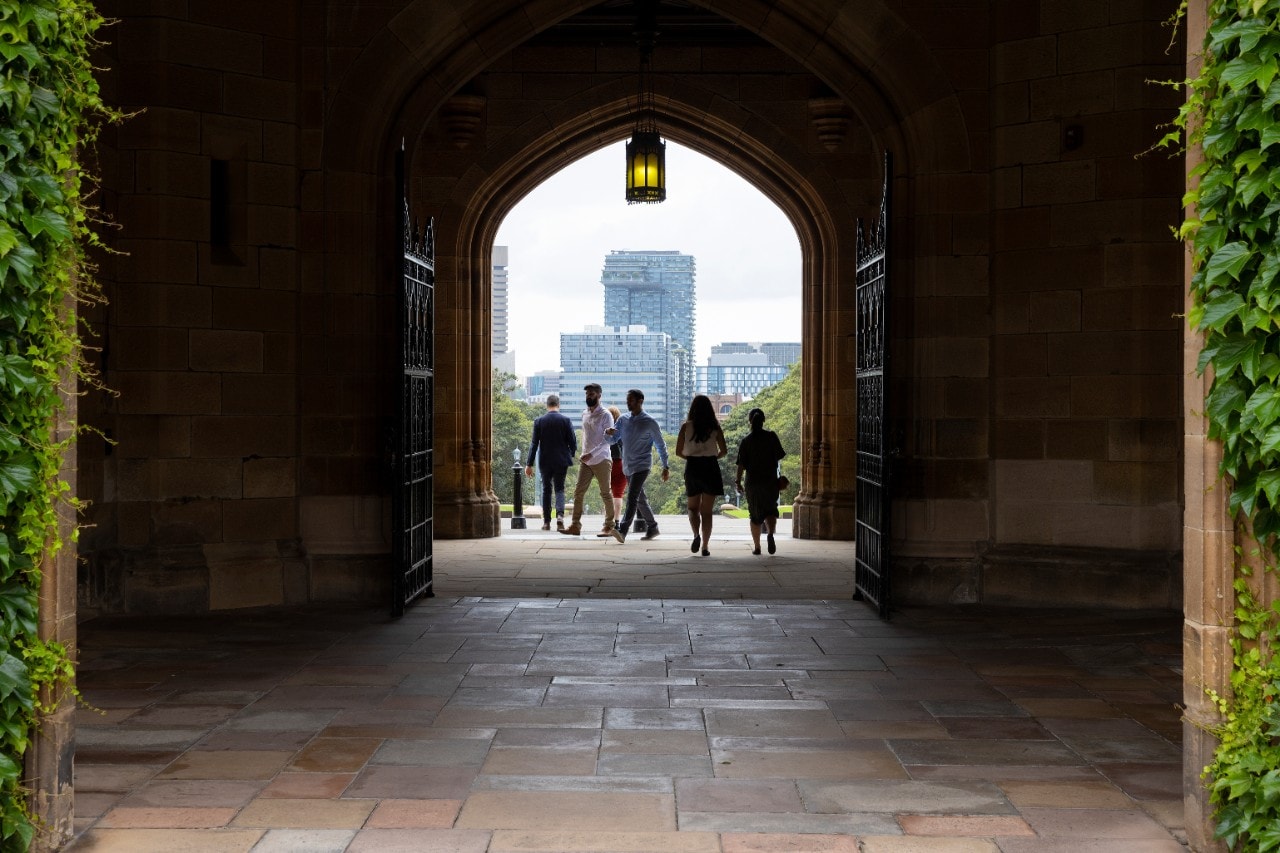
x,y
722,285
469,185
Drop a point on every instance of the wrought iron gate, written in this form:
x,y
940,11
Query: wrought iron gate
x,y
411,503
871,537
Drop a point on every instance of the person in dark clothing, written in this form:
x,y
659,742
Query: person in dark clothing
x,y
758,457
554,445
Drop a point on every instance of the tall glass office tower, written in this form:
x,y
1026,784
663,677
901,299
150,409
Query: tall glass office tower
x,y
655,289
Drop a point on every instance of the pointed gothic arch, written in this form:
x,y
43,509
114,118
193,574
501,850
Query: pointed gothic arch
x,y
470,195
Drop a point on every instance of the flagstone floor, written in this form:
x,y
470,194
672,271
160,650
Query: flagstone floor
x,y
703,717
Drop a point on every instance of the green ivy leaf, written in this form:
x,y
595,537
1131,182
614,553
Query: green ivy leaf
x,y
1254,184
9,239
13,678
16,373
1262,409
1227,261
46,220
1271,445
1234,352
26,52
1225,399
1269,484
1226,305
44,188
1252,159
17,475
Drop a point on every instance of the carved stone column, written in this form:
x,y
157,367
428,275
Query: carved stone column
x,y
49,758
465,506
1207,547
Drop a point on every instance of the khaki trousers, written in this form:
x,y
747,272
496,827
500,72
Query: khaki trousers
x,y
600,471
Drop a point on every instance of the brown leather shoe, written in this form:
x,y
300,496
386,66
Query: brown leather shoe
x,y
560,524
546,526
574,529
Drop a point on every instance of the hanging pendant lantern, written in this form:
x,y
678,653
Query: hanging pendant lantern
x,y
646,168
646,152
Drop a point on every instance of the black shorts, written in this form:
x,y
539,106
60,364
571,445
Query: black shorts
x,y
762,502
702,476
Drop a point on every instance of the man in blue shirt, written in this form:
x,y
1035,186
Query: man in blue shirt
x,y
639,434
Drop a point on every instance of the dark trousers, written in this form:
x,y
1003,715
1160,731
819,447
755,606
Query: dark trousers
x,y
637,500
550,480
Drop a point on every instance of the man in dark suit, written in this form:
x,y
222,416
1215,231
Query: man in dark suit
x,y
554,446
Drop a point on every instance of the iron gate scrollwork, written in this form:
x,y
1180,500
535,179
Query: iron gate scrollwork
x,y
871,537
412,495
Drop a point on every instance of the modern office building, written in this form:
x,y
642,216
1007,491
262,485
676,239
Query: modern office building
x,y
654,289
623,357
504,359
785,353
739,367
739,373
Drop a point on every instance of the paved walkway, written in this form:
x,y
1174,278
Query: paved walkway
x,y
567,696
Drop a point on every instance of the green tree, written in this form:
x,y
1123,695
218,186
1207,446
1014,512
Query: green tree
x,y
512,429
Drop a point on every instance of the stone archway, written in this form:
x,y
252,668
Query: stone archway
x,y
469,194
288,497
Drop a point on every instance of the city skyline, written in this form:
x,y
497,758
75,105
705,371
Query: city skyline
x,y
558,236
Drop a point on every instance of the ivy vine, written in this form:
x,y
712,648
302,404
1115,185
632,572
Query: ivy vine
x,y
1233,113
48,103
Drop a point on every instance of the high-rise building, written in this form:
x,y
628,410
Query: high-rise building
x,y
620,358
655,289
504,359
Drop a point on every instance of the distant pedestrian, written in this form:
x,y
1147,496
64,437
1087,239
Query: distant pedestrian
x,y
554,445
597,425
701,445
640,435
758,456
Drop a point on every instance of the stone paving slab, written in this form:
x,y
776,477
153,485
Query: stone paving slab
x,y
530,725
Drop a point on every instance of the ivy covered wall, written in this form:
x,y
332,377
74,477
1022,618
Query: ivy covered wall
x,y
1231,121
47,97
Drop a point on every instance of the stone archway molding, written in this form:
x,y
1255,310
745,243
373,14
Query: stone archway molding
x,y
733,136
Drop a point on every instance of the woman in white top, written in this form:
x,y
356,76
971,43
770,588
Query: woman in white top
x,y
701,446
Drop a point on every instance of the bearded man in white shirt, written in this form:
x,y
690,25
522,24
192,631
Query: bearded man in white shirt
x,y
596,461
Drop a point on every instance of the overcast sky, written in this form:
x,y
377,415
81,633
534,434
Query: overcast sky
x,y
746,251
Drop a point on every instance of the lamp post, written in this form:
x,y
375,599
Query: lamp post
x,y
517,503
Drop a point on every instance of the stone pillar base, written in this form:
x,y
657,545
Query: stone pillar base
x,y
466,517
823,518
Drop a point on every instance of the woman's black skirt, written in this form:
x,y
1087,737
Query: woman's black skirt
x,y
702,476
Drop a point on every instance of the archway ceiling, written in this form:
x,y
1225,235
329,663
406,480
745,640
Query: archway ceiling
x,y
679,23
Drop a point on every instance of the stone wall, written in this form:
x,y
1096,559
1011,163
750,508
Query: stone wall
x,y
250,327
